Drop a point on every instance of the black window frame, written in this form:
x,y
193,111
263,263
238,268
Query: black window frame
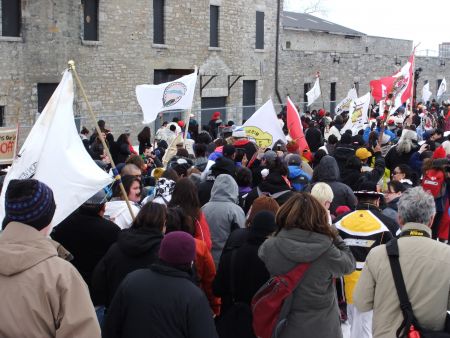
x,y
45,91
11,18
159,22
259,26
214,17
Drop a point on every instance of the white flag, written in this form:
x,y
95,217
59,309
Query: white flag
x,y
426,93
344,105
263,126
442,88
174,95
357,114
314,93
53,153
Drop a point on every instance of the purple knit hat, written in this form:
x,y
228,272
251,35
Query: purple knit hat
x,y
177,248
30,202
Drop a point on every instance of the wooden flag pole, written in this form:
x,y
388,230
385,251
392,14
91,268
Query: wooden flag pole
x,y
117,176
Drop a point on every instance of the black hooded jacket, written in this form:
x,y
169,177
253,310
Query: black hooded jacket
x,y
134,249
272,184
327,171
158,302
223,165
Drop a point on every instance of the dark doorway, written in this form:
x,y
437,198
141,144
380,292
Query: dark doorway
x,y
45,92
211,105
248,99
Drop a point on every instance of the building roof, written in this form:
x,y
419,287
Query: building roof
x,y
308,22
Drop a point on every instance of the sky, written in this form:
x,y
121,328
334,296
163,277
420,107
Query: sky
x,y
424,22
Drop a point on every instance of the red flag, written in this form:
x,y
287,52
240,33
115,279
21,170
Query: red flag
x,y
399,85
296,130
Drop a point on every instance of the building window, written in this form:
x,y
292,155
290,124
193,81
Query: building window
x,y
11,17
90,20
45,92
356,84
2,116
248,98
288,45
158,22
332,96
214,26
259,30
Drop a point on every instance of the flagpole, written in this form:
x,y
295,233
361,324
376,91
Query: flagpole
x,y
188,118
117,176
413,78
320,88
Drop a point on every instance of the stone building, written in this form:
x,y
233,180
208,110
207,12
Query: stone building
x,y
345,58
118,44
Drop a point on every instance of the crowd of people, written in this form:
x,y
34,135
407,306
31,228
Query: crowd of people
x,y
209,220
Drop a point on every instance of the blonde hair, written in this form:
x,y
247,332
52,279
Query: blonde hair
x,y
322,192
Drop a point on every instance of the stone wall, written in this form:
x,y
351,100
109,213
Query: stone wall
x,y
311,52
125,56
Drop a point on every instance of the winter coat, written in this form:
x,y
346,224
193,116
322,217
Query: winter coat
x,y
118,212
342,153
222,166
298,178
363,229
391,209
135,249
222,213
202,231
122,152
41,294
314,311
159,302
206,271
272,184
88,238
425,265
354,178
327,171
248,147
249,271
314,138
393,158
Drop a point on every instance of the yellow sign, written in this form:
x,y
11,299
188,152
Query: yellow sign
x,y
262,139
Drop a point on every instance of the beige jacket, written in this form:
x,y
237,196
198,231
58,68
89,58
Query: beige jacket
x,y
41,295
425,267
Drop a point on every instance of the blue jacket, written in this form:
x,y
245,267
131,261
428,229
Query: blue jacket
x,y
377,129
297,178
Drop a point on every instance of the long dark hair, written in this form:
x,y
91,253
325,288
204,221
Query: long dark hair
x,y
185,195
144,135
151,216
177,220
303,211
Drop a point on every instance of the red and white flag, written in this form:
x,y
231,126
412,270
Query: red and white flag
x,y
399,85
295,126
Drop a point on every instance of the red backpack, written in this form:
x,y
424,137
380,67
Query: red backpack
x,y
434,182
268,301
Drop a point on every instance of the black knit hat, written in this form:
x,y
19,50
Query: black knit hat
x,y
30,202
263,224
